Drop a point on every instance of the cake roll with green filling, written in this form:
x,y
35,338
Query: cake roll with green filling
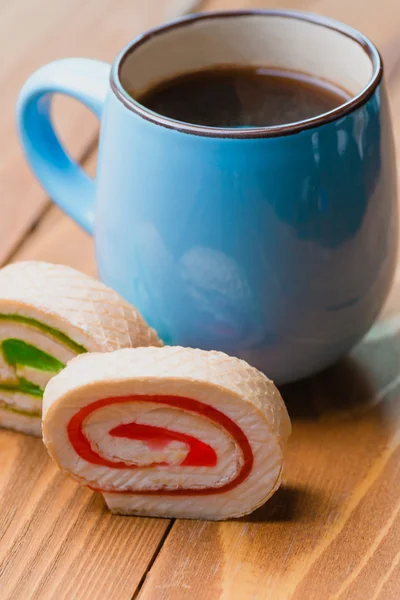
x,y
48,315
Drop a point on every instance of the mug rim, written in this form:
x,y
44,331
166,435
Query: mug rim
x,y
254,132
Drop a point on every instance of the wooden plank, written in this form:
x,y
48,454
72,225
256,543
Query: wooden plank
x,y
333,529
33,33
56,540
59,240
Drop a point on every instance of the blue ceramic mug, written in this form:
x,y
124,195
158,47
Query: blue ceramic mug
x,y
275,244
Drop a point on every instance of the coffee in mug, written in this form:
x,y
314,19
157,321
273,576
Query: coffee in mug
x,y
243,97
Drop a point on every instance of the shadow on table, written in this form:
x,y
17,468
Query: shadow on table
x,y
367,380
288,504
361,386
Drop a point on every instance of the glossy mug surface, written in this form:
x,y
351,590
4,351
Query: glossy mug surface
x,y
277,245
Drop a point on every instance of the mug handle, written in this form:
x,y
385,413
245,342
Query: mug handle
x,y
63,179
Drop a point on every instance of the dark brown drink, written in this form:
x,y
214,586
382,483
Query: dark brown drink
x,y
243,97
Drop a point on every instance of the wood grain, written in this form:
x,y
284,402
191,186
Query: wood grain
x,y
33,33
58,239
57,540
332,531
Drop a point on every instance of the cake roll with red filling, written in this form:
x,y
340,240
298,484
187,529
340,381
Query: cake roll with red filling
x,y
168,432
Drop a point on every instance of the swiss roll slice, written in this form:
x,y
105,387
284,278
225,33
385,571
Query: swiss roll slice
x,y
168,432
48,315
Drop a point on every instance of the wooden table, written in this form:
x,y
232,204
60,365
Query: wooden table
x,y
333,529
